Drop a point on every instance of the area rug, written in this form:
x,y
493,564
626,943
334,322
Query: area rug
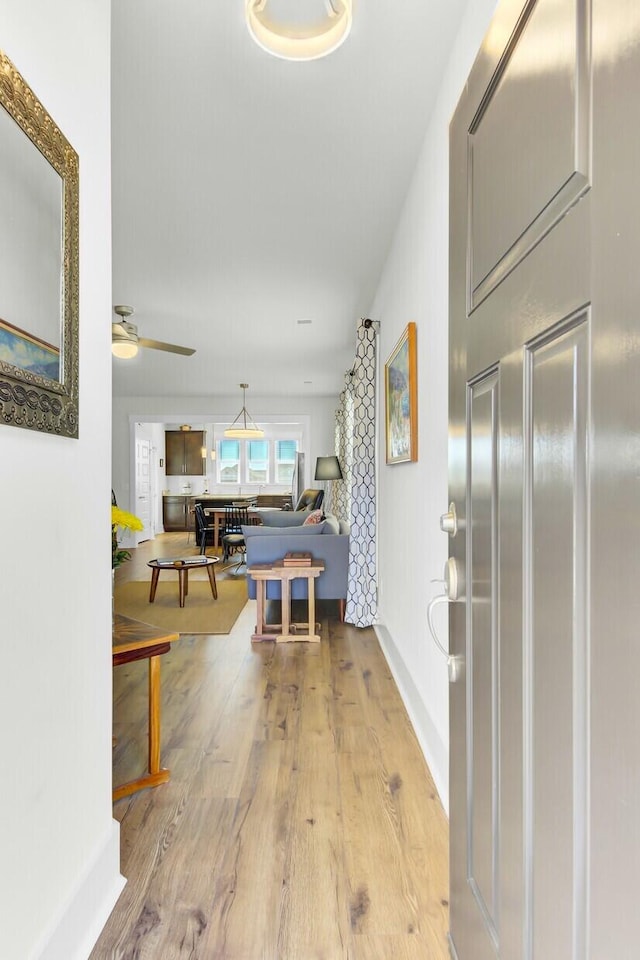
x,y
200,614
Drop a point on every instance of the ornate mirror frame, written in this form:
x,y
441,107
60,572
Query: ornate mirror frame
x,y
28,398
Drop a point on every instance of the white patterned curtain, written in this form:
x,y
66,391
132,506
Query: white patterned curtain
x,y
339,491
354,497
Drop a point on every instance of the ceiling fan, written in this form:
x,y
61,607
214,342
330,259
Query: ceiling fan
x,y
125,340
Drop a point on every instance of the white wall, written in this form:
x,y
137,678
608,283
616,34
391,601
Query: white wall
x,y
412,550
59,846
193,410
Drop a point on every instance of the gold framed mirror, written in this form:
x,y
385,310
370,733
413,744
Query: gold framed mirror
x,y
39,209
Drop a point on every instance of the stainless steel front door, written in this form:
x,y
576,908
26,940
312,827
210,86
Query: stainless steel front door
x,y
544,452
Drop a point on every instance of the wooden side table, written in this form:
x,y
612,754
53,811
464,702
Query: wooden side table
x,y
285,632
134,640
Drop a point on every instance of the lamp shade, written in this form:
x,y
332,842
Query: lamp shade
x,y
328,468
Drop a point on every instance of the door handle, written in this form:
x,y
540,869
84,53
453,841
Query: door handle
x,y
453,587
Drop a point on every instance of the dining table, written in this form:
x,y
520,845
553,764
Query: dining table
x,y
217,514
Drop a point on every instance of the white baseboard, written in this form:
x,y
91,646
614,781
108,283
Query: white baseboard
x,y
431,743
75,930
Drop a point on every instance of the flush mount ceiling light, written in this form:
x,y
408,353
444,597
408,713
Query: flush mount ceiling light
x,y
296,31
243,427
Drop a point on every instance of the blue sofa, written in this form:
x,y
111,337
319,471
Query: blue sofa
x,y
266,544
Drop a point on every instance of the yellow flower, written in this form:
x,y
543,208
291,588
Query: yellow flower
x,y
120,518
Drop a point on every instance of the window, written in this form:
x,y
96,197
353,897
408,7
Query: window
x,y
229,461
285,459
257,461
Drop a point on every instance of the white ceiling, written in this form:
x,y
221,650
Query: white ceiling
x,y
251,192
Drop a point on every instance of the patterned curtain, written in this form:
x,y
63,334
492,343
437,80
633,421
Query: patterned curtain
x,y
354,497
339,491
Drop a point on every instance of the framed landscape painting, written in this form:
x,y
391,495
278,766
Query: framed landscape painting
x,y
401,399
26,351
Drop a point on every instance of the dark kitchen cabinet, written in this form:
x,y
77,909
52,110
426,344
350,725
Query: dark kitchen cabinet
x,y
183,453
175,513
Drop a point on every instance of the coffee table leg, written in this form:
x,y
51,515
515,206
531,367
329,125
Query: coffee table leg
x,y
182,574
155,573
211,570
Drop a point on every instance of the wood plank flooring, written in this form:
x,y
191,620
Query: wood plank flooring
x,y
300,821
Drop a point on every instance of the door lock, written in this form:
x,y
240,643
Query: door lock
x,y
449,521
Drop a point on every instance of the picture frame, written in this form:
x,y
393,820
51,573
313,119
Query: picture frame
x,y
39,264
401,399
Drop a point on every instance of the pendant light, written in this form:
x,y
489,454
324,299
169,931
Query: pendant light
x,y
243,427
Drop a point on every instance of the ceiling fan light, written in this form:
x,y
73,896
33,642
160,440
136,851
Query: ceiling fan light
x,y
291,43
124,349
124,338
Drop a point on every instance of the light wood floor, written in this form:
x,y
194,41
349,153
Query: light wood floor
x,y
300,821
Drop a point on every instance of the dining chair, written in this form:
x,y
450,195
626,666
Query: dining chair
x,y
236,516
203,527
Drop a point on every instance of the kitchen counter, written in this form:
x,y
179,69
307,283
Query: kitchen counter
x,y
177,508
214,497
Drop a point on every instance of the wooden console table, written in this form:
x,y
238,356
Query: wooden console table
x,y
286,631
134,640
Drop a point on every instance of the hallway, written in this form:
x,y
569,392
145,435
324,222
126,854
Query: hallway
x,y
300,820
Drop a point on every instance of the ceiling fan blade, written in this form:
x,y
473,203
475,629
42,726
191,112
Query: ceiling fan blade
x,y
167,347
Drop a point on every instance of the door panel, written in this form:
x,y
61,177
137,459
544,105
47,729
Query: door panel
x,y
143,488
531,129
555,695
482,657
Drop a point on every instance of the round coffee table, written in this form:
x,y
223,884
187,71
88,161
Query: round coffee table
x,y
182,567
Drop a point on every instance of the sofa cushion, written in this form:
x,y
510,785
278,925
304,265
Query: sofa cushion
x,y
284,518
333,551
255,531
315,516
345,526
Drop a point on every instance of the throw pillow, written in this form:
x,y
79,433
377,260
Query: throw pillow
x,y
331,524
316,516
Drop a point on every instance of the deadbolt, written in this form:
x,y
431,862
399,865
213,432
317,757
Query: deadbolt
x,y
449,521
